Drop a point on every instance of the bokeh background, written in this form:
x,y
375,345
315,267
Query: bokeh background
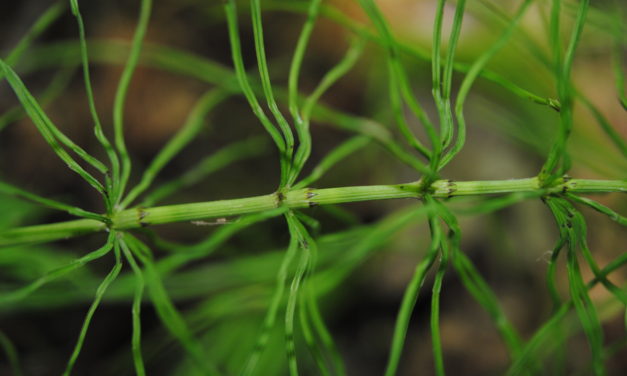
x,y
508,137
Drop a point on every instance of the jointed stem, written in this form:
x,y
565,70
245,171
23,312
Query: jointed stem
x,y
298,198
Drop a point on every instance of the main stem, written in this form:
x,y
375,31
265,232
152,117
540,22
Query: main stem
x,y
296,199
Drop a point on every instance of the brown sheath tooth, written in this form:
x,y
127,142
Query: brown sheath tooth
x,y
141,214
280,197
450,192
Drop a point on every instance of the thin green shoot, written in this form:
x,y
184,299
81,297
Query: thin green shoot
x,y
446,116
266,85
104,142
613,265
401,121
557,153
193,125
576,224
436,56
351,57
59,82
476,285
10,189
588,318
120,100
520,364
302,119
397,68
53,136
620,219
308,221
23,292
343,67
399,85
138,359
326,339
523,37
306,302
619,294
273,309
436,340
483,294
167,312
315,332
605,125
250,148
372,129
342,151
310,340
470,78
436,83
297,61
301,122
410,297
240,72
102,288
555,38
298,231
551,272
586,312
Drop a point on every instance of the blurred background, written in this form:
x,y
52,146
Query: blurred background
x,y
224,297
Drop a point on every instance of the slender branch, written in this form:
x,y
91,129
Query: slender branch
x,y
296,199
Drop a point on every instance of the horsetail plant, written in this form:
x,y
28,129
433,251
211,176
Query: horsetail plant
x,y
280,294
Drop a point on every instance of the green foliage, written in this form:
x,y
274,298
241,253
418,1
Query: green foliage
x,y
224,311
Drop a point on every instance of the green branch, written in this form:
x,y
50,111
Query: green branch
x,y
296,199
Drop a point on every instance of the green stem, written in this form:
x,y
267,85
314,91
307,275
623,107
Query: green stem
x,y
299,198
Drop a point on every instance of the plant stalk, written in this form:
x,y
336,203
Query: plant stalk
x,y
296,199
